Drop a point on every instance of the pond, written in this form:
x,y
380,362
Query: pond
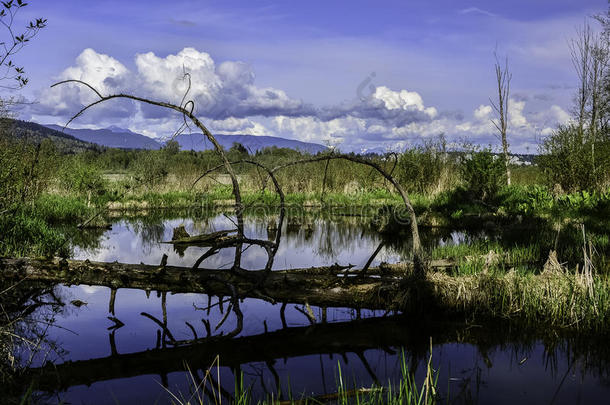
x,y
113,347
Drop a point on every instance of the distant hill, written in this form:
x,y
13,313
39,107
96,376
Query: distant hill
x,y
36,133
112,137
252,143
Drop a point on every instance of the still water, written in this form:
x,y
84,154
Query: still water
x,y
98,363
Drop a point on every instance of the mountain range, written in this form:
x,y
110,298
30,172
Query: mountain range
x,y
114,137
252,143
36,133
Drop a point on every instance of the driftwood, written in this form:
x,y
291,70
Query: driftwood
x,y
207,239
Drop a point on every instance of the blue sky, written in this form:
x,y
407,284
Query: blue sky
x,y
357,74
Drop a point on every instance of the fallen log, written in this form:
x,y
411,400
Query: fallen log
x,y
327,286
331,286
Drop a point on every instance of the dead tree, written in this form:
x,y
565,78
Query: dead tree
x,y
186,109
590,57
418,254
270,247
580,51
503,78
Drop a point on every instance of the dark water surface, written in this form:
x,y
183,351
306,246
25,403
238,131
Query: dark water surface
x,y
477,363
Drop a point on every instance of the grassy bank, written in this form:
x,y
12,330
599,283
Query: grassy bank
x,y
557,298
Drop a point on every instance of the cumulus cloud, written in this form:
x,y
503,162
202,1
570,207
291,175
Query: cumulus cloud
x,y
219,91
403,100
227,97
101,71
483,112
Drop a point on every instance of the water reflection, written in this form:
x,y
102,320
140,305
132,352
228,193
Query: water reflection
x,y
478,364
318,242
133,345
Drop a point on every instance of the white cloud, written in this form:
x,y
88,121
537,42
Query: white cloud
x,y
516,119
476,10
101,71
483,112
229,102
403,99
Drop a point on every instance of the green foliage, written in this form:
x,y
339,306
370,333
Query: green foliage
x,y
83,179
14,41
424,168
575,159
237,152
150,168
483,174
526,175
57,209
25,170
171,148
526,200
27,235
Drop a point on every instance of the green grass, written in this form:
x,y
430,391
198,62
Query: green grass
x,y
54,208
223,195
471,258
25,235
31,229
555,298
405,391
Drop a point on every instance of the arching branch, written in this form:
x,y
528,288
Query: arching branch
x,y
418,254
271,248
186,112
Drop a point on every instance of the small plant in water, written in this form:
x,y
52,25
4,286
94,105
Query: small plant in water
x,y
405,392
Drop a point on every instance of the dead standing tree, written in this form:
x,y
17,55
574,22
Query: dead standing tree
x,y
503,78
419,263
590,58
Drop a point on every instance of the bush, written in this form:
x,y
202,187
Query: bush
x,y
84,179
424,169
575,159
483,174
26,169
528,200
151,168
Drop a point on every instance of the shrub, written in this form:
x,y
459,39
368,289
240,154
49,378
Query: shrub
x,y
25,235
84,179
575,158
425,168
483,174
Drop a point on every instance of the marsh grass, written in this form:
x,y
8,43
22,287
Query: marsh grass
x,y
405,391
222,195
557,297
474,257
54,208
